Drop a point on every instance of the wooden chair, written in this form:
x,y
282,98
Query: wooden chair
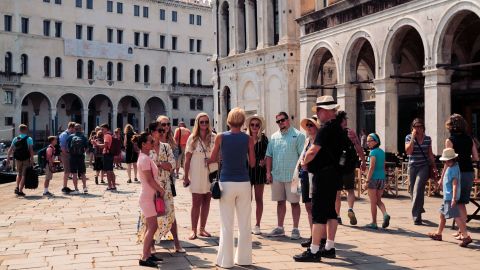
x,y
360,182
391,186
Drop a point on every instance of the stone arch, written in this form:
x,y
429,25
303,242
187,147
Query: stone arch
x,y
70,108
128,112
225,106
154,107
352,50
395,30
100,111
36,110
314,63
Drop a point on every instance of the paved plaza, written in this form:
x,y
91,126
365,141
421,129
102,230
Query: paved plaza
x,y
98,231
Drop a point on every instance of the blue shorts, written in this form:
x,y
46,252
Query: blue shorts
x,y
377,184
466,184
448,211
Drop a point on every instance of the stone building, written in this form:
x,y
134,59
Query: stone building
x,y
256,58
392,61
121,61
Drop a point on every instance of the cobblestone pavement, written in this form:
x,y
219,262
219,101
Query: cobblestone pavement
x,y
98,231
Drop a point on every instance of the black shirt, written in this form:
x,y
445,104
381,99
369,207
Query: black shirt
x,y
462,144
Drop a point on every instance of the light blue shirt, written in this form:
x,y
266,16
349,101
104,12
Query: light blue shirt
x,y
29,140
62,139
285,149
379,170
450,174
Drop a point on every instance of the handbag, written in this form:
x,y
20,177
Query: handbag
x,y
432,170
158,200
215,190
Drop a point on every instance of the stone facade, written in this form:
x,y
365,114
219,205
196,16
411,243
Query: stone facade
x,y
394,60
122,61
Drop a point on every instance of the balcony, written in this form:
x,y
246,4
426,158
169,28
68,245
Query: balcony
x,y
182,89
10,79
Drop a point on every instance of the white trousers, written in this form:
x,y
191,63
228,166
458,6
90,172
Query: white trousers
x,y
236,197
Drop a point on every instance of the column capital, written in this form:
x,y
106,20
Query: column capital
x,y
436,76
384,86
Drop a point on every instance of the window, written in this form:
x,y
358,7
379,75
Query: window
x,y
175,105
145,39
24,64
137,73
89,4
200,104
8,120
174,75
25,25
120,8
109,71
46,1
8,62
78,31
145,12
162,14
89,32
163,74
78,3
199,77
109,6
119,36
192,77
192,45
174,16
146,74
136,39
58,29
193,104
175,122
174,43
79,69
199,20
58,2
8,99
7,19
46,66
162,42
46,28
90,69
136,10
119,72
199,45
58,67
109,35
192,122
191,19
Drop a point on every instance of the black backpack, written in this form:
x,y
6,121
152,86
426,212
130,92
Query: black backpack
x,y
21,149
42,157
77,146
351,157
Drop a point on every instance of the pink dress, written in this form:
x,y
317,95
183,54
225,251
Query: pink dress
x,y
146,166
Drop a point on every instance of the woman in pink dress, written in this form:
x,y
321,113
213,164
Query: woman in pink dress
x,y
147,172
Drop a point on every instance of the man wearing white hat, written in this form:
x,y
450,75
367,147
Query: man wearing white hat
x,y
323,160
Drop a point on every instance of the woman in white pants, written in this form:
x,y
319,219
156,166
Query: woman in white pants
x,y
235,147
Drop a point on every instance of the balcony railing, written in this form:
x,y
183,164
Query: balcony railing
x,y
11,78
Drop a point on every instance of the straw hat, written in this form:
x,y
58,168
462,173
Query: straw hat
x,y
325,102
259,118
304,122
448,154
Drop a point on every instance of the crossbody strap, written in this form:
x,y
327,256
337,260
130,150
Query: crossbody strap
x,y
421,150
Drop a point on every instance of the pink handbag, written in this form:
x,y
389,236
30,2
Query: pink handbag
x,y
159,204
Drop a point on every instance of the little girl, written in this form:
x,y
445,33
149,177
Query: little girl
x,y
376,181
451,194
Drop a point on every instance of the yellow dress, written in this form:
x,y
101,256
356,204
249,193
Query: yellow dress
x,y
164,222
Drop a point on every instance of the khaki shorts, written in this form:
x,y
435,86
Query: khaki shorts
x,y
65,162
22,166
48,173
281,191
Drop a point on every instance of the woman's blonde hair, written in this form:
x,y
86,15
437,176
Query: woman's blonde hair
x,y
128,128
170,139
236,117
249,129
196,130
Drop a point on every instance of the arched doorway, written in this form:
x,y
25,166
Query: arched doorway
x,y
36,114
459,53
69,108
99,112
226,106
128,112
322,73
153,108
405,64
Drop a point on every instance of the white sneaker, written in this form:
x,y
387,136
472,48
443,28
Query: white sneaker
x,y
85,190
256,230
75,192
295,234
278,231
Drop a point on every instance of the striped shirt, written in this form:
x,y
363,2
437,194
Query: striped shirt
x,y
417,159
285,149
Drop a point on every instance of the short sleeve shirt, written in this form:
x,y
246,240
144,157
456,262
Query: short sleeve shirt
x,y
29,139
331,138
417,159
285,149
450,174
63,140
107,140
379,170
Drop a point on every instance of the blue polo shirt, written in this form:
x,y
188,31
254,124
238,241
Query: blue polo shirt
x,y
29,140
285,149
62,139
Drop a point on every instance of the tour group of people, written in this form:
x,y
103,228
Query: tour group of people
x,y
312,166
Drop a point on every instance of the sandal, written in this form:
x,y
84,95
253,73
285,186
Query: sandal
x,y
192,236
467,240
435,236
372,226
205,233
180,250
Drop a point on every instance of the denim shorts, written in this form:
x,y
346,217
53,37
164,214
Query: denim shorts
x,y
448,211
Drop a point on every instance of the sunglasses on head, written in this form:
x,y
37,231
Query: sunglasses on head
x,y
255,125
203,122
281,120
165,124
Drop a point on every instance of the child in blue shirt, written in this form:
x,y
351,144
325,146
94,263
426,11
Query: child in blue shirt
x,y
376,181
451,194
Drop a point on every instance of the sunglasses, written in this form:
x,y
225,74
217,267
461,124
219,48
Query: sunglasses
x,y
309,125
281,120
203,122
255,125
165,124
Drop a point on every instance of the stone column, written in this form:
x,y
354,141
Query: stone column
x,y
386,113
268,15
52,124
141,121
437,106
233,19
347,99
251,19
261,17
114,117
283,21
240,13
85,121
307,98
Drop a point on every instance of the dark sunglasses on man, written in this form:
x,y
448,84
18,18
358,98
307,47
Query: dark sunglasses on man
x,y
281,120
